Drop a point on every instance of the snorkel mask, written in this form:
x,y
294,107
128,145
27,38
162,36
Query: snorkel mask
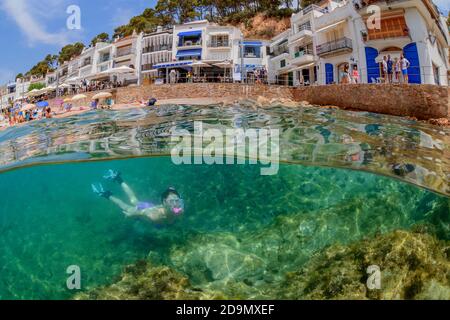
x,y
175,204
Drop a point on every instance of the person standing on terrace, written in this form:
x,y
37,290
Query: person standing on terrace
x,y
404,64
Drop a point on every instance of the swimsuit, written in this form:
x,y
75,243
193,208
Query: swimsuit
x,y
141,206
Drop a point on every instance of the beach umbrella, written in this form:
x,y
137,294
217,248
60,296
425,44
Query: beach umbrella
x,y
79,97
199,64
73,80
28,107
224,64
120,70
102,95
42,104
33,93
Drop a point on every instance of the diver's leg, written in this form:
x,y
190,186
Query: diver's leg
x,y
126,208
117,177
130,193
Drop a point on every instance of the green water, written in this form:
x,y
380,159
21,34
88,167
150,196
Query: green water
x,y
50,219
353,177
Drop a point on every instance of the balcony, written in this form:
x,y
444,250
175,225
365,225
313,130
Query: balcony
x,y
313,7
219,44
122,52
151,49
302,57
338,46
104,59
190,44
278,51
303,31
86,63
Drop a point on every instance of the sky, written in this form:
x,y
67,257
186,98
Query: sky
x,y
31,29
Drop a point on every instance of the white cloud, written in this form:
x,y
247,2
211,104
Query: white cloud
x,y
30,16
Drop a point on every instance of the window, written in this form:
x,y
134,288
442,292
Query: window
x,y
282,63
252,52
220,41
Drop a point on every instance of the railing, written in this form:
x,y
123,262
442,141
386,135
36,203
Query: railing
x,y
339,44
304,27
124,52
86,63
252,55
303,52
103,60
219,44
313,7
152,49
280,50
189,44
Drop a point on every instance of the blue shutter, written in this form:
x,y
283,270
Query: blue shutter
x,y
329,73
412,55
373,68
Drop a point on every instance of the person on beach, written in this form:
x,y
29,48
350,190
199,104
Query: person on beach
x,y
170,210
385,69
404,64
355,74
390,68
397,69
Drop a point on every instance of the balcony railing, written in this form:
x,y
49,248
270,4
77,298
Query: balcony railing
x,y
104,59
333,46
301,53
190,44
86,63
157,48
124,52
219,44
313,7
277,51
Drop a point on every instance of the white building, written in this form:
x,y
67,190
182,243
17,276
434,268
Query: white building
x,y
156,49
326,38
415,28
217,48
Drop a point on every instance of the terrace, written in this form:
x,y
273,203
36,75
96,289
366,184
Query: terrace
x,y
333,47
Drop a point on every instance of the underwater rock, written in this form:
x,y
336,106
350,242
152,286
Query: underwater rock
x,y
143,281
413,266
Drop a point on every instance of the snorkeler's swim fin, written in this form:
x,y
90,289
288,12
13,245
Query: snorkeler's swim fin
x,y
100,191
115,176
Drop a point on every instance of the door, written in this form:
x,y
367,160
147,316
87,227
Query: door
x,y
412,55
373,69
329,76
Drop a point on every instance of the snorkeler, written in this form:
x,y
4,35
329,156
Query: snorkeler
x,y
171,208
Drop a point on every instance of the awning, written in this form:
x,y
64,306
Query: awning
x,y
253,43
190,33
172,64
189,53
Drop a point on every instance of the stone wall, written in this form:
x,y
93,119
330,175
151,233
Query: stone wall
x,y
421,101
202,90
